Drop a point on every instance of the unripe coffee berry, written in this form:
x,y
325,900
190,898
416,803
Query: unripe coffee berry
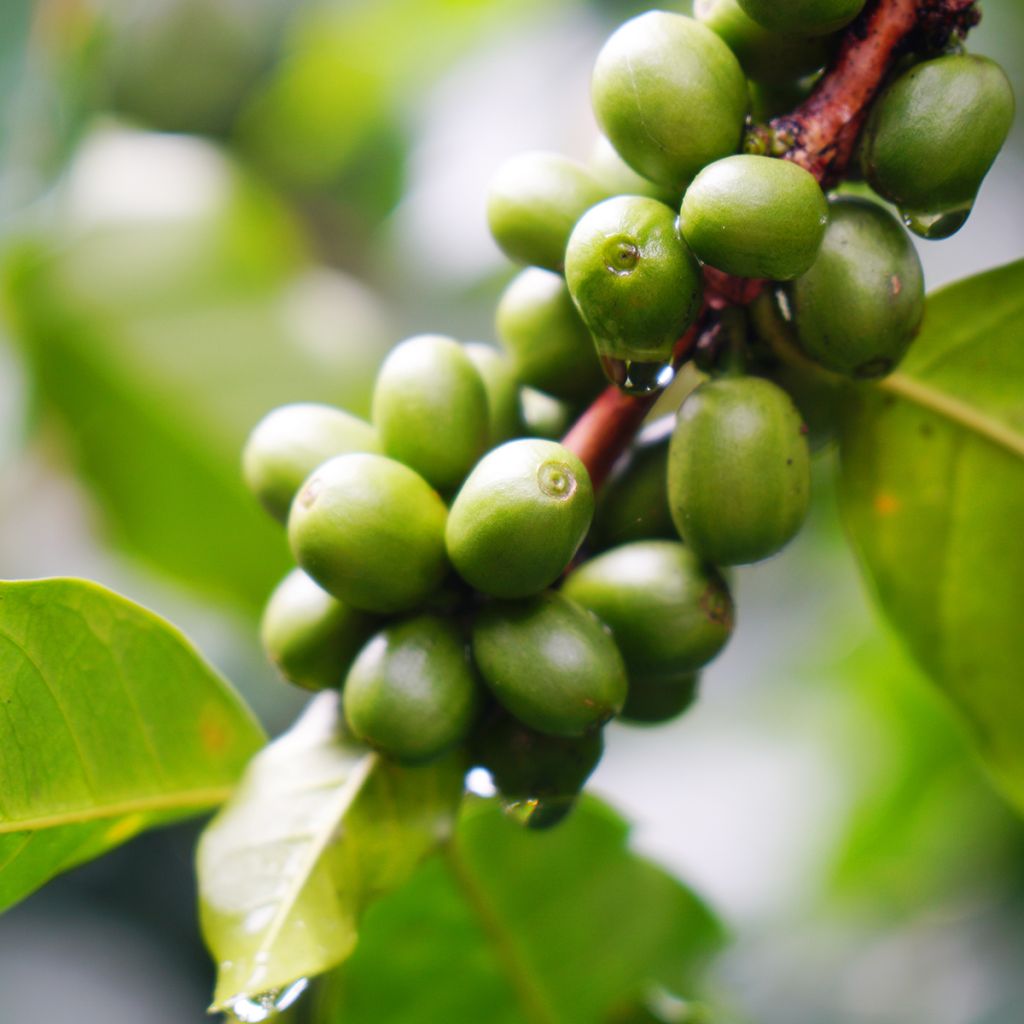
x,y
430,409
669,612
550,663
860,305
370,531
310,636
291,441
413,691
519,518
755,216
804,17
739,470
636,285
932,136
533,202
548,343
670,96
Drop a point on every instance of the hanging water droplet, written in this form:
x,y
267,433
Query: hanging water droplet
x,y
254,1009
636,377
538,812
936,225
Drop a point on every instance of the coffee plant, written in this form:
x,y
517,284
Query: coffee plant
x,y
522,543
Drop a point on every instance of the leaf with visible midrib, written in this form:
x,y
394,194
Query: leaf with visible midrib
x,y
512,926
110,722
318,829
933,495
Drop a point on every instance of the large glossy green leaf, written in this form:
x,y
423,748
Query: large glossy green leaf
x,y
516,927
933,496
319,828
110,722
159,340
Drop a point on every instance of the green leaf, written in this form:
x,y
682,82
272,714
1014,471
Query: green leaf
x,y
318,829
158,345
933,497
110,723
510,926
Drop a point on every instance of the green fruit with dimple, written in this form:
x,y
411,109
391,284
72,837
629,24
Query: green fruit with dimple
x,y
669,612
859,307
654,699
533,202
370,531
670,96
636,285
739,470
538,776
519,518
499,378
550,663
413,691
291,441
310,636
806,17
764,55
634,504
755,216
430,409
932,136
549,344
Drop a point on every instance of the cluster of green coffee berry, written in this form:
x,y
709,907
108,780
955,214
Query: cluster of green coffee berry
x,y
440,580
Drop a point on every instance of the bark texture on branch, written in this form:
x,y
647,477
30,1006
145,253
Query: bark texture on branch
x,y
820,136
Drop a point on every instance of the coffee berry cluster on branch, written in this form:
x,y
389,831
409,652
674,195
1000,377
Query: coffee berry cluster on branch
x,y
457,576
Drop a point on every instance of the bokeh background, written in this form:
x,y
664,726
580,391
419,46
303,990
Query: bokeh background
x,y
211,207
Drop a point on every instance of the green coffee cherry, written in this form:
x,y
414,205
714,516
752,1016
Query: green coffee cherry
x,y
499,378
543,415
739,470
654,699
310,636
533,202
291,441
764,55
370,531
519,518
413,691
634,504
755,216
860,305
550,663
430,409
668,612
932,136
670,96
620,179
539,777
804,17
636,285
549,344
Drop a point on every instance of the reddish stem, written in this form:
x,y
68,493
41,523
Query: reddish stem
x,y
820,135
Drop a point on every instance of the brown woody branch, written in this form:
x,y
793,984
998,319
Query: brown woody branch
x,y
820,135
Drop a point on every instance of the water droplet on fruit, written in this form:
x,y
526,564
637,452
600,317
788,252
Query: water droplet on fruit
x,y
539,813
936,226
636,377
254,1009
